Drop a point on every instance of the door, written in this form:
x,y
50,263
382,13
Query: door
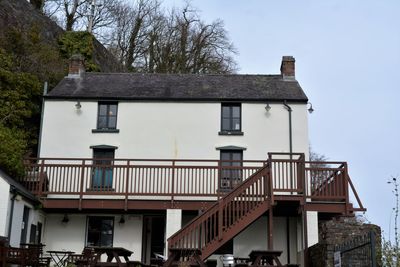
x,y
102,176
231,162
153,237
24,226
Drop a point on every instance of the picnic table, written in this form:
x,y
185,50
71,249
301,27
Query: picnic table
x,y
184,254
112,253
265,258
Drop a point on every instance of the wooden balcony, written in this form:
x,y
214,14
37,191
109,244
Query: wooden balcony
x,y
187,184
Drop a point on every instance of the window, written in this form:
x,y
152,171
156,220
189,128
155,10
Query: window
x,y
107,116
231,162
100,231
231,119
102,176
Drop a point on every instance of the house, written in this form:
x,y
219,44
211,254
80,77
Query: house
x,y
151,162
21,220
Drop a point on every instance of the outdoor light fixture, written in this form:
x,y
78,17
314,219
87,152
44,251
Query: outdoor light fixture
x,y
65,219
310,109
78,105
267,107
122,219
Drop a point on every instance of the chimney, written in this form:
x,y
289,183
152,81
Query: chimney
x,y
76,66
287,68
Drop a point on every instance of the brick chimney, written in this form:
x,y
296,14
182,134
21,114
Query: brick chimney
x,y
287,68
76,66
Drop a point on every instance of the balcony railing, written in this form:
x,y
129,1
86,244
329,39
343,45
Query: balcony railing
x,y
290,175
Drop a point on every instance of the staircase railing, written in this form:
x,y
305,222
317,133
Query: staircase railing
x,y
228,216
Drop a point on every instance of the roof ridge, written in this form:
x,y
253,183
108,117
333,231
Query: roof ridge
x,y
181,74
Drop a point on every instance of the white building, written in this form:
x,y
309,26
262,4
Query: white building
x,y
21,220
128,159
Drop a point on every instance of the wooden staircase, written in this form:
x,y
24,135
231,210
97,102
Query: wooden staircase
x,y
230,215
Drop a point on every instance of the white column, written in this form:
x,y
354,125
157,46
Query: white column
x,y
174,223
312,227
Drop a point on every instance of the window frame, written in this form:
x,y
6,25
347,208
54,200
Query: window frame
x,y
231,130
99,160
112,218
234,176
107,116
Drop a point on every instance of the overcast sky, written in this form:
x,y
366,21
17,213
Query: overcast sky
x,y
347,61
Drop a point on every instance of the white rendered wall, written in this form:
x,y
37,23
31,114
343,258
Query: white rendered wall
x,y
255,237
174,223
170,130
72,235
4,206
174,131
34,217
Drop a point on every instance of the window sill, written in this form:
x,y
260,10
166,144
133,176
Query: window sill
x,y
105,131
230,133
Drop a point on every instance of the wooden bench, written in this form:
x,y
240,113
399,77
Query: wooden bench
x,y
87,258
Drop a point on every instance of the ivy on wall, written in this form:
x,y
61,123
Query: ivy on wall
x,y
79,43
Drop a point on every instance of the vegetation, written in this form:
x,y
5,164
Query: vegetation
x,y
27,60
146,38
19,104
391,251
140,34
79,43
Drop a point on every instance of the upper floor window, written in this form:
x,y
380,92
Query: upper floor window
x,y
231,121
107,116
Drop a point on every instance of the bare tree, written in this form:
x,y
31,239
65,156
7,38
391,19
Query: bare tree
x,y
148,39
67,11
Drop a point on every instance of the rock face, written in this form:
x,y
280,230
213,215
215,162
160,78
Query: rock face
x,y
21,14
345,234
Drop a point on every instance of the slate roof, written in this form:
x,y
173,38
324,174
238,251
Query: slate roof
x,y
179,87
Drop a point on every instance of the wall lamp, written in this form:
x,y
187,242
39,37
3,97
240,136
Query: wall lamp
x,y
78,105
310,109
267,107
65,220
122,219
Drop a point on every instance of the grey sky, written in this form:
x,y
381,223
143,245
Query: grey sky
x,y
347,61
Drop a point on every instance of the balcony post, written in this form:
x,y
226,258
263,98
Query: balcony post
x,y
301,175
82,183
127,184
219,179
172,184
41,179
346,187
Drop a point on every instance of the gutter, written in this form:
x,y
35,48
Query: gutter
x,y
289,109
41,119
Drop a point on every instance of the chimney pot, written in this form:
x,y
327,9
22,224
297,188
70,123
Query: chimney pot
x,y
288,67
76,66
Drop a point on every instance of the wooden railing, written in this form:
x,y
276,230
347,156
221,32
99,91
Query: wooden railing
x,y
290,175
137,177
227,217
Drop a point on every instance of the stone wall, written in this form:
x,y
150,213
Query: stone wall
x,y
336,232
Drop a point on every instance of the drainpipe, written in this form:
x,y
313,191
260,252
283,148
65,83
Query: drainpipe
x,y
41,119
289,109
13,191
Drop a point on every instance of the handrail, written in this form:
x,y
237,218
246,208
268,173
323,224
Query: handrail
x,y
361,207
220,213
